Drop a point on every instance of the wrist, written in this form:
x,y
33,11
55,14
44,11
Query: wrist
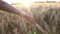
x,y
22,13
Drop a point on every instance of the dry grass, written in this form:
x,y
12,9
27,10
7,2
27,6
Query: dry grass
x,y
47,22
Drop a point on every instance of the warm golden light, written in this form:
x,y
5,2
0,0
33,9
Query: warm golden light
x,y
26,4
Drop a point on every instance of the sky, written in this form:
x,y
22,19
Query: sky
x,y
25,1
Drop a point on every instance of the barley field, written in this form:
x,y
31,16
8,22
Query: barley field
x,y
47,16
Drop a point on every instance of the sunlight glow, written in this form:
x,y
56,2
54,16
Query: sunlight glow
x,y
25,2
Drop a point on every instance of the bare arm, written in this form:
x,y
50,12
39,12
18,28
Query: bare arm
x,y
6,7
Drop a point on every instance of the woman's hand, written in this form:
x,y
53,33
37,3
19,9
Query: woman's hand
x,y
27,16
30,20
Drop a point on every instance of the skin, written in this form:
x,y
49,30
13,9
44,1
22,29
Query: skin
x,y
8,8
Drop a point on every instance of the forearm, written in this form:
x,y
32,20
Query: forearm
x,y
6,7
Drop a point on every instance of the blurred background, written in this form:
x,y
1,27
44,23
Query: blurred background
x,y
46,13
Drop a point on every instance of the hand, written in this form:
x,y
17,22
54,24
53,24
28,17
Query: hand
x,y
29,18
